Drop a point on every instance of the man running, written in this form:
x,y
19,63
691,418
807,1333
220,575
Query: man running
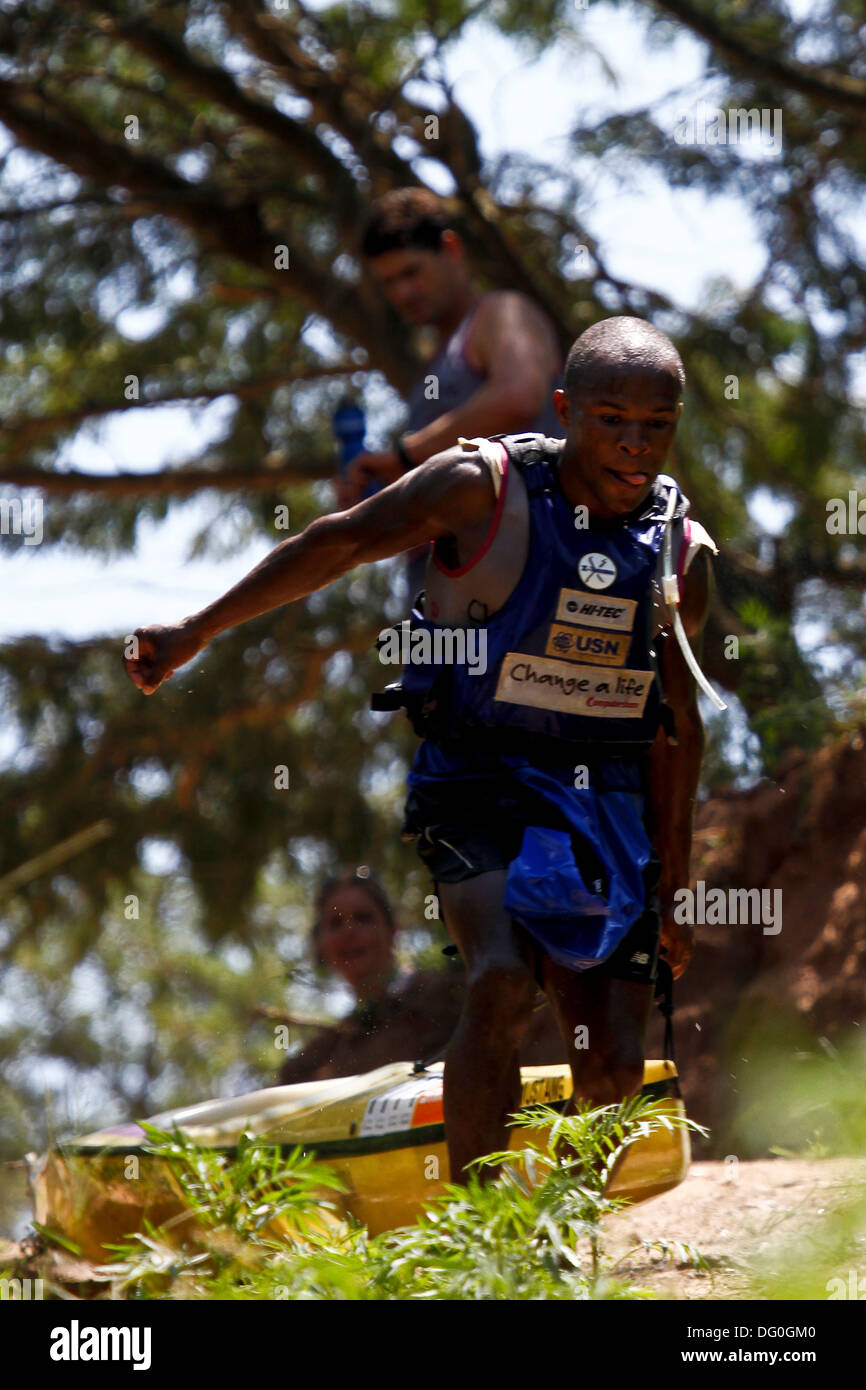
x,y
572,758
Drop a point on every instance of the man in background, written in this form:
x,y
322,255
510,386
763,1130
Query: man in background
x,y
496,362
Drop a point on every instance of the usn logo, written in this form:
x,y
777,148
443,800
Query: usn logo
x,y
596,571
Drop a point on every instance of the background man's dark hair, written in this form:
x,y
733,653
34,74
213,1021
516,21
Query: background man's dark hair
x,y
405,217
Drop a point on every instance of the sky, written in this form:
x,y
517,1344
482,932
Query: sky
x,y
668,240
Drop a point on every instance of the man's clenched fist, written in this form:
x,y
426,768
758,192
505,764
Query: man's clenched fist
x,y
154,653
678,940
382,468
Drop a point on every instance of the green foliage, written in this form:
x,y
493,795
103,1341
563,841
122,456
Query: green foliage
x,y
805,1101
796,715
532,1232
255,1187
820,1264
799,1098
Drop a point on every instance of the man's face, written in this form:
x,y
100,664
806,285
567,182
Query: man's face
x,y
619,431
420,284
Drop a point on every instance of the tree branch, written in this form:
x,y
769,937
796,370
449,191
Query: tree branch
x,y
99,200
180,482
217,86
234,230
823,85
25,431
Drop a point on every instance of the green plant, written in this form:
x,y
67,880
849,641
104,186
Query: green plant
x,y
531,1231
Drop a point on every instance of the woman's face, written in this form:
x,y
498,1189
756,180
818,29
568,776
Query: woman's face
x,y
355,938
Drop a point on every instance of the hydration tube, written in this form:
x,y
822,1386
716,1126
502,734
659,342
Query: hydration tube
x,y
671,596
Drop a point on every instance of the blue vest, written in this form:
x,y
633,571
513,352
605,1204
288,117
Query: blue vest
x,y
569,655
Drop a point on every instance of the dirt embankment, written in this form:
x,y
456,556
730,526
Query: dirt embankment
x,y
758,1225
802,836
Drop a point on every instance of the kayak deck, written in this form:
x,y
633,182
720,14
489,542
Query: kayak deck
x,y
382,1133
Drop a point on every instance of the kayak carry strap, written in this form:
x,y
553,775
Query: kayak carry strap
x,y
664,996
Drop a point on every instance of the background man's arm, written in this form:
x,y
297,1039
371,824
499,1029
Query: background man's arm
x,y
675,770
515,345
450,493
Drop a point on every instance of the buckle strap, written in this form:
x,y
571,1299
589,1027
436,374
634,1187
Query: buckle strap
x,y
664,994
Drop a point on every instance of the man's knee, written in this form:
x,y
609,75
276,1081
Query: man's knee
x,y
500,997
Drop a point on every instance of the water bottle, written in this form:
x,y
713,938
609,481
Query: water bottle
x,y
350,425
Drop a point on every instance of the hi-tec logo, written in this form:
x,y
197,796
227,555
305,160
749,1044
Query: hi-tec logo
x,y
576,606
434,646
74,1343
596,571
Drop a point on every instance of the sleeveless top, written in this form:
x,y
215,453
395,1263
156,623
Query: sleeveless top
x,y
457,381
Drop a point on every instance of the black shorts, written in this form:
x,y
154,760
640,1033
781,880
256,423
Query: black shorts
x,y
473,826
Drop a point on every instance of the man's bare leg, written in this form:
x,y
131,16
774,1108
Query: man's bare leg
x,y
482,1072
615,1014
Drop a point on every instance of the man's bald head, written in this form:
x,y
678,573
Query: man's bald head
x,y
621,346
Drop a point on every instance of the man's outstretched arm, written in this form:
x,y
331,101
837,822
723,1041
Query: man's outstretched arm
x,y
675,769
451,492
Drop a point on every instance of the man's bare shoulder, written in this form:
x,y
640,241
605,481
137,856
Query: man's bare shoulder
x,y
509,308
508,301
460,461
450,494
461,476
509,322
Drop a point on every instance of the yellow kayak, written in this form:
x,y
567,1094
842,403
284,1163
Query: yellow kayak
x,y
383,1133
